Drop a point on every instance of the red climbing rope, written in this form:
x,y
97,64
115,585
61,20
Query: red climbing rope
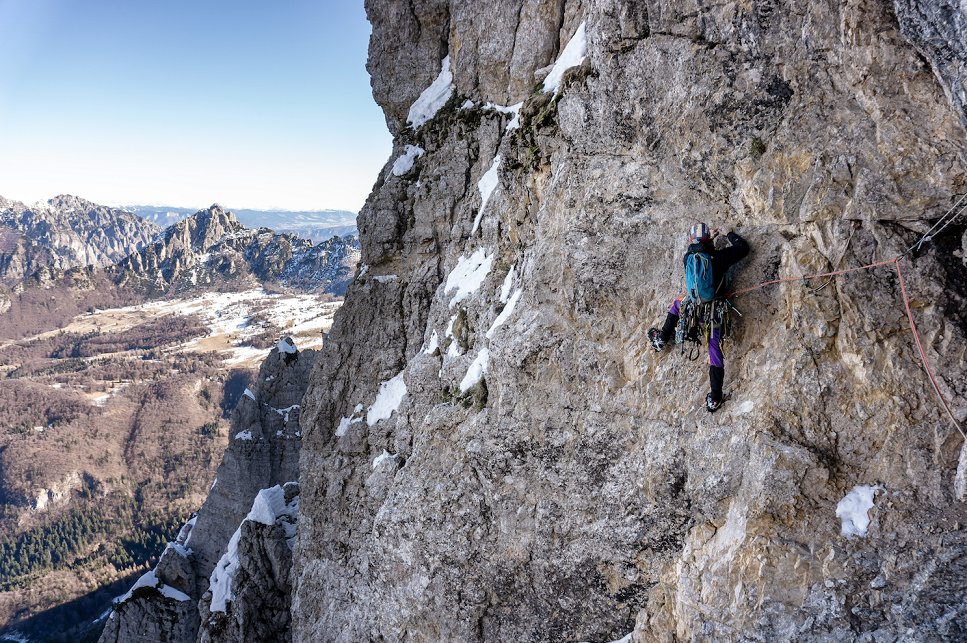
x,y
923,355
804,277
913,327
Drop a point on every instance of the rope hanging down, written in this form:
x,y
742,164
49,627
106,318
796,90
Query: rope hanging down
x,y
923,355
896,262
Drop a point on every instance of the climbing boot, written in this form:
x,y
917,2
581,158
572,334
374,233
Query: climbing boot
x,y
712,404
654,336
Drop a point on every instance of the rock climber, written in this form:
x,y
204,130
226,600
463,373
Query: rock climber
x,y
701,240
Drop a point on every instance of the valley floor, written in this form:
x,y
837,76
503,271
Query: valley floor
x,y
111,431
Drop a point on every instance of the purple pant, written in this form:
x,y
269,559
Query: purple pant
x,y
714,350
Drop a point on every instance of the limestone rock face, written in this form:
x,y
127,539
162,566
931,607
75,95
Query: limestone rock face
x,y
939,31
263,452
19,256
407,58
579,490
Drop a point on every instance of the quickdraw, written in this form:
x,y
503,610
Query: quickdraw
x,y
696,320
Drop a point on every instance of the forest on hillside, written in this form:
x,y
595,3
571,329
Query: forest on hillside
x,y
109,441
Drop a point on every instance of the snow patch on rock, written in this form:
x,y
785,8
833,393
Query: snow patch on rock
x,y
513,109
478,368
468,274
507,285
433,97
504,314
573,55
404,163
391,393
383,458
854,507
486,185
150,580
431,345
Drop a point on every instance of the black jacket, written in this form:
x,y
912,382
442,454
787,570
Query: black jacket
x,y
722,259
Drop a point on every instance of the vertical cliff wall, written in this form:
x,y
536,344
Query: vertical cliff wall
x,y
491,450
241,529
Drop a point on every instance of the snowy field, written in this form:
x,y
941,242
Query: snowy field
x,y
231,318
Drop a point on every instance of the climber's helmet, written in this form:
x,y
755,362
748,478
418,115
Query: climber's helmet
x,y
699,233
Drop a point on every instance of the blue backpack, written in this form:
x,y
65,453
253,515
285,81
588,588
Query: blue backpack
x,y
699,282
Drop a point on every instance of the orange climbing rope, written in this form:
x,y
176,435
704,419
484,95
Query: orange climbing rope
x,y
913,327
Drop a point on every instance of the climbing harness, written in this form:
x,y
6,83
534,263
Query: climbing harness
x,y
698,319
930,234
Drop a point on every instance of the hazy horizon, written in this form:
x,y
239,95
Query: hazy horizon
x,y
127,204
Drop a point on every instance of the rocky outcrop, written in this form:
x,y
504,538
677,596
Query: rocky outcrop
x,y
76,232
19,256
493,452
938,29
150,617
211,249
259,566
158,606
263,453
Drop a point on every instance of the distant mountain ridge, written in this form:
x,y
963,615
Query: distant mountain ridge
x,y
315,225
73,231
209,251
212,249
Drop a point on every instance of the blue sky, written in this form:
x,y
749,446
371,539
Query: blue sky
x,y
247,104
